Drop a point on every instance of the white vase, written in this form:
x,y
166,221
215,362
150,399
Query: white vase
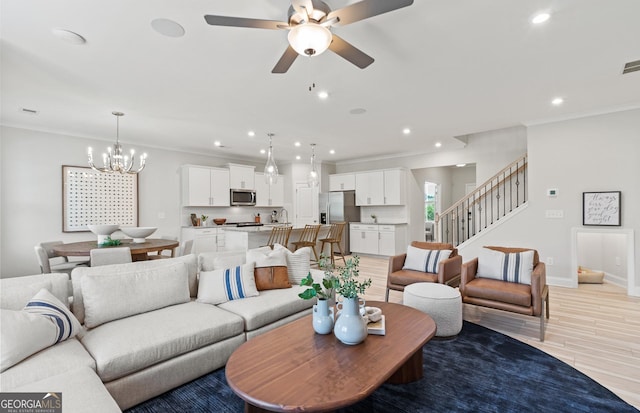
x,y
350,327
322,317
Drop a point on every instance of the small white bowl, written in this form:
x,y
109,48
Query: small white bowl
x,y
103,231
138,233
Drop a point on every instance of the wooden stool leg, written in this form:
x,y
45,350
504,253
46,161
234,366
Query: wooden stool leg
x,y
341,253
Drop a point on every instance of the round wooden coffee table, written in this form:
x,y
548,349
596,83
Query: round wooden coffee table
x,y
292,369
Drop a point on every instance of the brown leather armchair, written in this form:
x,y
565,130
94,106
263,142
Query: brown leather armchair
x,y
448,270
508,296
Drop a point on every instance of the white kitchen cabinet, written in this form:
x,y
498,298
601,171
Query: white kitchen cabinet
x,y
370,188
269,195
241,176
205,186
378,239
342,182
387,187
205,239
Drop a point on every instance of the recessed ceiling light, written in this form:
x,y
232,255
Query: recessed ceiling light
x,y
460,165
262,151
68,36
332,151
540,18
251,133
323,94
557,101
406,131
297,144
438,144
298,157
167,27
217,143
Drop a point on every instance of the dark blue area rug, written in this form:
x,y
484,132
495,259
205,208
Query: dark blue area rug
x,y
479,370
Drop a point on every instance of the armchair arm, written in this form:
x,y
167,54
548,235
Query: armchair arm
x,y
396,262
538,281
449,268
468,273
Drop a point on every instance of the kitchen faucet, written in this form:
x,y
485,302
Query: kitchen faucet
x,y
284,213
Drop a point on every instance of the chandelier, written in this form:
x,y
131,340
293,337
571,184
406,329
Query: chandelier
x,y
270,169
114,160
312,178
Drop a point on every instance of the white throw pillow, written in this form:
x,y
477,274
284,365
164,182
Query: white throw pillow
x,y
109,297
267,258
43,322
298,263
512,267
419,259
220,286
209,261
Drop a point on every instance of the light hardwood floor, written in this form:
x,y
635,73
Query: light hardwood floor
x,y
595,328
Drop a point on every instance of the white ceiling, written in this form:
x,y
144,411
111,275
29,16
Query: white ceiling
x,y
443,68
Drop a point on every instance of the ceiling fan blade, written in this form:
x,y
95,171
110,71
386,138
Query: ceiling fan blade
x,y
349,52
304,7
365,9
285,61
243,22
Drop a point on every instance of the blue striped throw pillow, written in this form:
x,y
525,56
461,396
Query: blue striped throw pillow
x,y
220,286
46,304
515,267
419,259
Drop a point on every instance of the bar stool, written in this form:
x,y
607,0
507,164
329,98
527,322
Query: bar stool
x,y
308,238
279,235
334,237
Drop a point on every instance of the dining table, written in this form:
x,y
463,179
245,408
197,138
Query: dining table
x,y
139,250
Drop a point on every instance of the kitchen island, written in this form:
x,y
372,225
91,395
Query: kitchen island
x,y
257,236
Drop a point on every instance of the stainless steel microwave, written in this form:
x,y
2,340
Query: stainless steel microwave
x,y
243,197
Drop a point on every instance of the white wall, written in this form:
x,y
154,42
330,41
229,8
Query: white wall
x,y
31,192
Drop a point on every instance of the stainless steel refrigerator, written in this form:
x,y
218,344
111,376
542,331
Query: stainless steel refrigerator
x,y
339,207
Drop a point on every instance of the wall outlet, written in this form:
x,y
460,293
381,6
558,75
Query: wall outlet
x,y
549,260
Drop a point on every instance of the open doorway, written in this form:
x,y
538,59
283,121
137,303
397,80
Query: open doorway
x,y
431,208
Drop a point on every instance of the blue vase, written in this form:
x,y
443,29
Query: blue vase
x,y
322,317
350,327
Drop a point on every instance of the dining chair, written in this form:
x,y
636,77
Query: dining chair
x,y
50,262
187,247
308,238
108,256
334,237
168,253
279,235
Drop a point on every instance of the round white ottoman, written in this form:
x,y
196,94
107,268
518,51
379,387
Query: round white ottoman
x,y
440,302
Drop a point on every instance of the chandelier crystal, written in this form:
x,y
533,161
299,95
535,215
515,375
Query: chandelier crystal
x,y
270,169
313,178
114,161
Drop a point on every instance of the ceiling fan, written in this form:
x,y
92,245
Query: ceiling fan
x,y
309,27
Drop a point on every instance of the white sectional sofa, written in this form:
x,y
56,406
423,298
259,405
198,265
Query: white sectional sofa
x,y
144,330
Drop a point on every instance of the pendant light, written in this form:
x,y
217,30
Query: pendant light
x,y
313,178
270,169
114,160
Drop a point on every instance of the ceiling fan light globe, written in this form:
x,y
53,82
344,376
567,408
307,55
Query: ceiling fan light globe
x,y
309,39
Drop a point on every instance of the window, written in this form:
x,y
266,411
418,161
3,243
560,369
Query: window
x,y
430,201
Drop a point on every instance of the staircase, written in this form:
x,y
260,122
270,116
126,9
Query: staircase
x,y
486,205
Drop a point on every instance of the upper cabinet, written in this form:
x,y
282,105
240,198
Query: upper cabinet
x,y
387,187
241,176
204,186
342,182
269,195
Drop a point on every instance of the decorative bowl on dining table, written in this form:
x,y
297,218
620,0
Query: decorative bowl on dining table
x,y
138,233
103,231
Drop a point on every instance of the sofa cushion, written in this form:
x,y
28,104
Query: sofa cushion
x,y
266,257
271,278
298,263
110,297
489,289
43,322
269,306
64,356
127,345
81,389
219,286
515,267
419,259
406,277
209,261
17,291
79,272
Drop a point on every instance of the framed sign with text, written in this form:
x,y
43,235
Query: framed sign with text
x,y
601,208
91,197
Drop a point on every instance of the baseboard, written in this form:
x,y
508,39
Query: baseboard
x,y
562,282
